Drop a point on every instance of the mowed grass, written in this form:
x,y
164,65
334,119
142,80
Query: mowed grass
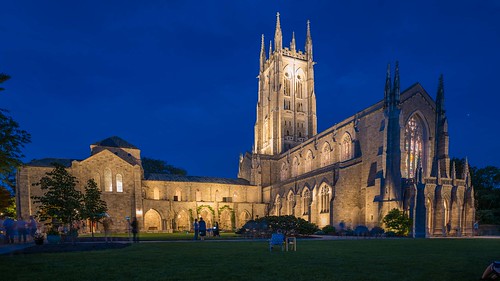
x,y
373,259
166,236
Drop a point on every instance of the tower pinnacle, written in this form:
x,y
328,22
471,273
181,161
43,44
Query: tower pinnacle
x,y
309,44
278,36
292,44
262,54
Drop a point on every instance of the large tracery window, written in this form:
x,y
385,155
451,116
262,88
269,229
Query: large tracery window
x,y
325,199
298,88
413,146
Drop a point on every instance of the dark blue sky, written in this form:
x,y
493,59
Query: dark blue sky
x,y
178,78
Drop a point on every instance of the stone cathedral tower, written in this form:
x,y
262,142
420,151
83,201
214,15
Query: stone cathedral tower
x,y
286,108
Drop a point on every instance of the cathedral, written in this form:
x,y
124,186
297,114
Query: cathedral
x,y
393,154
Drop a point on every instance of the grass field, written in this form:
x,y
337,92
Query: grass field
x,y
373,259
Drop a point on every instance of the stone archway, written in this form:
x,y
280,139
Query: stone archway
x,y
152,220
182,221
243,218
225,220
207,216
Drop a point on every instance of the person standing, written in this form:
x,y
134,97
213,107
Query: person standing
x,y
203,229
196,227
216,229
32,227
135,229
8,224
107,222
21,229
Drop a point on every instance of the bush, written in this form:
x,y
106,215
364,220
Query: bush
x,y
361,230
328,229
390,234
377,231
289,225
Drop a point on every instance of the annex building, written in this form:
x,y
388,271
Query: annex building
x,y
393,154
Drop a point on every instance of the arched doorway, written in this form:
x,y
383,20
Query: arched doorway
x,y
152,220
225,220
243,218
207,216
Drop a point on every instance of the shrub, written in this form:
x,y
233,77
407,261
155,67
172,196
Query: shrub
x,y
377,231
361,230
328,229
289,225
390,234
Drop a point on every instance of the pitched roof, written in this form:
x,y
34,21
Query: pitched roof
x,y
115,141
49,162
167,177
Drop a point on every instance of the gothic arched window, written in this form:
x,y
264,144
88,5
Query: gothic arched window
x,y
306,201
298,88
119,183
290,201
287,84
284,172
277,205
308,163
97,179
108,181
325,155
346,147
325,199
295,167
413,146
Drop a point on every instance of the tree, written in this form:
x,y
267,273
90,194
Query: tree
x,y
61,202
155,166
398,222
289,225
93,206
12,139
486,182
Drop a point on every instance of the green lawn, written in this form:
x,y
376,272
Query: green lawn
x,y
381,259
168,236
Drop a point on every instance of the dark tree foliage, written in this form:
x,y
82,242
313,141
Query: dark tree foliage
x,y
486,182
61,202
93,206
155,166
289,225
12,139
398,222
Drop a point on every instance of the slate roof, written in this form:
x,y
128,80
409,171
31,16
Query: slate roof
x,y
115,141
48,162
167,177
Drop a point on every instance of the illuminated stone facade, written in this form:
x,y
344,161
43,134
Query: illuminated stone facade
x,y
161,202
393,154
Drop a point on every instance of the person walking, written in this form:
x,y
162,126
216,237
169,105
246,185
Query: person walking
x,y
135,229
203,229
196,227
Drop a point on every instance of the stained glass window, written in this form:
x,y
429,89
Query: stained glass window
x,y
413,146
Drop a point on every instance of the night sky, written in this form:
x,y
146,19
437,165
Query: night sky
x,y
178,78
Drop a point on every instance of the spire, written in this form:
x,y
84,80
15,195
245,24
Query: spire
x,y
396,85
278,37
440,97
466,169
309,43
453,171
292,44
262,54
387,91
